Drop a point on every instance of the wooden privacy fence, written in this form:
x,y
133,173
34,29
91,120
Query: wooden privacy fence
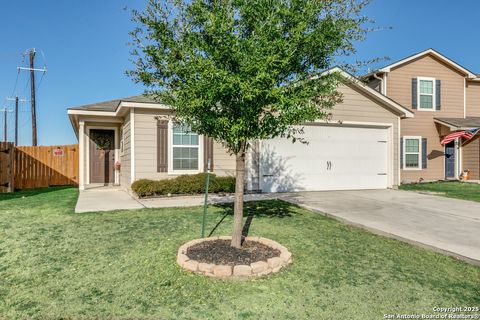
x,y
7,151
43,166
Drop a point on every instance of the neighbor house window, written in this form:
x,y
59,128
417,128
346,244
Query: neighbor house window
x,y
412,152
426,93
185,149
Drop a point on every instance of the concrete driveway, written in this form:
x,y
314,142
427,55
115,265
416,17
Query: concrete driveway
x,y
447,225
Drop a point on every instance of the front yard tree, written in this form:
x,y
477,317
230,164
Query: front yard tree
x,y
241,70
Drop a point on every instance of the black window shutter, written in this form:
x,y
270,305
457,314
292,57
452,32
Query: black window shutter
x,y
438,95
162,145
401,153
414,93
424,153
207,153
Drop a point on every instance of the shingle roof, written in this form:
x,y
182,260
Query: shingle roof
x,y
468,122
112,105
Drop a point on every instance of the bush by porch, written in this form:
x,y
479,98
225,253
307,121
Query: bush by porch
x,y
184,184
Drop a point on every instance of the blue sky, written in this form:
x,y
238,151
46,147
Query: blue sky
x,y
86,51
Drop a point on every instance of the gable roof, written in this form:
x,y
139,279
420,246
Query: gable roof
x,y
429,51
112,105
390,103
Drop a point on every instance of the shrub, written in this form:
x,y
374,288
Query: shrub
x,y
184,184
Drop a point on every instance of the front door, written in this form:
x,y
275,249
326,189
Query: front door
x,y
450,160
102,156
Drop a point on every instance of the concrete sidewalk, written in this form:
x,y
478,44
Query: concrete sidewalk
x,y
105,199
192,201
108,198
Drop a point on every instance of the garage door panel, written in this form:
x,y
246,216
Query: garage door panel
x,y
335,158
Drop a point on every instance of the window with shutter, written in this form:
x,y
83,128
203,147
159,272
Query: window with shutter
x,y
426,98
185,147
412,153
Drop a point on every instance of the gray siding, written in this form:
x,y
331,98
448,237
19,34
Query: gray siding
x,y
146,144
125,172
146,149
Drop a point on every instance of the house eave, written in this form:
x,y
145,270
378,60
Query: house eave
x,y
439,56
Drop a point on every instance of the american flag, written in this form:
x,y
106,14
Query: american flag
x,y
466,134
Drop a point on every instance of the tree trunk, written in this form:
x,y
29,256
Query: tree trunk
x,y
238,204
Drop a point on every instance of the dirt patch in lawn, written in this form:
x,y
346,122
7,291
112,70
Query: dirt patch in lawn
x,y
220,252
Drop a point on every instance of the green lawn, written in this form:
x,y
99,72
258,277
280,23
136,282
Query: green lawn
x,y
460,190
54,263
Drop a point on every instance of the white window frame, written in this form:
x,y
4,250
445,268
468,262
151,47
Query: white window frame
x,y
420,152
171,171
434,93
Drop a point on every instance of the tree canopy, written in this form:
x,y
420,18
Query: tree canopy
x,y
242,70
238,70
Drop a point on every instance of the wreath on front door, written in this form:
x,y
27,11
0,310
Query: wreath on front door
x,y
103,141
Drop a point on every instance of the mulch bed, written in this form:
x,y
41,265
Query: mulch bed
x,y
220,252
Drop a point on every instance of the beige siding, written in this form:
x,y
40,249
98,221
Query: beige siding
x,y
146,148
146,144
223,162
356,107
471,152
473,99
471,159
125,172
452,105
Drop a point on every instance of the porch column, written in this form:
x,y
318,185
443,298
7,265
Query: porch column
x,y
458,160
81,152
116,173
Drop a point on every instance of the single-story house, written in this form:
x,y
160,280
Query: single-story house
x,y
358,148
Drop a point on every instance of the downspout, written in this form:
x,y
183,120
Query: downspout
x,y
381,81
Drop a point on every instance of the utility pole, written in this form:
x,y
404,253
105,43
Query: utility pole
x,y
5,131
16,121
16,115
32,99
5,125
32,92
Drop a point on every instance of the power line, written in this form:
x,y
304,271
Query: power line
x,y
31,68
23,66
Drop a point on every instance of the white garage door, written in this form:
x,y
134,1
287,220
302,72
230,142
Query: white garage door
x,y
336,158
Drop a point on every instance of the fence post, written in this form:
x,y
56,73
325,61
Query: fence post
x,y
6,166
10,168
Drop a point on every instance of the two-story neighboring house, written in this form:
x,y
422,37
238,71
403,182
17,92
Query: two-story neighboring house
x,y
444,97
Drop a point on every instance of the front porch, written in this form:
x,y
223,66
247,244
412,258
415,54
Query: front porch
x,y
100,151
465,152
